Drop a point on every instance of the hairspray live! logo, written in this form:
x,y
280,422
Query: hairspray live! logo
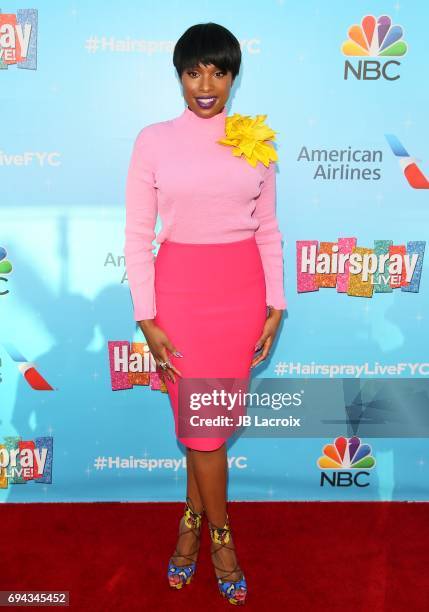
x,y
18,39
133,364
24,460
359,271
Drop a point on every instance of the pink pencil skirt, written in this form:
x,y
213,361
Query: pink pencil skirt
x,y
210,301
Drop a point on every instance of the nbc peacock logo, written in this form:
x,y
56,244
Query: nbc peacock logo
x,y
374,37
5,269
348,461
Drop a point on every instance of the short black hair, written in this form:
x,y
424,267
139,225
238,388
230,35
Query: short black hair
x,y
207,43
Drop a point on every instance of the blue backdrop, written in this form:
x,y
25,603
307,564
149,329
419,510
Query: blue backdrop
x,y
94,75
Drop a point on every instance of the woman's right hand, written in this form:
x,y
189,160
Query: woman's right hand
x,y
159,343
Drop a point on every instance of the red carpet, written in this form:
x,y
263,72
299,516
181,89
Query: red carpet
x,y
329,556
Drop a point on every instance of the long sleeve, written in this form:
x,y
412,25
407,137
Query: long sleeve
x,y
268,238
141,215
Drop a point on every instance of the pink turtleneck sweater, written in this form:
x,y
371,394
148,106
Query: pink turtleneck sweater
x,y
203,194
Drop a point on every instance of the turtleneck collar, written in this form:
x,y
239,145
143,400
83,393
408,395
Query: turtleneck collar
x,y
215,123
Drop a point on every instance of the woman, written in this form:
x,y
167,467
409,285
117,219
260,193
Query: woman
x,y
215,288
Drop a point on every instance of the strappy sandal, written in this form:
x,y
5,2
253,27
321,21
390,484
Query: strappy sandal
x,y
234,591
180,575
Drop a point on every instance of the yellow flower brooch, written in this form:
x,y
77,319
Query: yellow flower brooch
x,y
247,136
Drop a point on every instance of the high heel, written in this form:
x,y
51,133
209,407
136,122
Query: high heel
x,y
234,591
180,575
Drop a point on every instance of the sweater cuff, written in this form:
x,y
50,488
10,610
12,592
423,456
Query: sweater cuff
x,y
278,305
145,309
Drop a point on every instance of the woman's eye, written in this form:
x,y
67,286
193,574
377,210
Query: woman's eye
x,y
192,73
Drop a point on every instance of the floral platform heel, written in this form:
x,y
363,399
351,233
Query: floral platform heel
x,y
234,591
180,575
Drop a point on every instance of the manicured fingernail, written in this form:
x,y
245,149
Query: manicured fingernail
x,y
177,354
257,347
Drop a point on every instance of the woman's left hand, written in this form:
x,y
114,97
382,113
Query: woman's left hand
x,y
268,335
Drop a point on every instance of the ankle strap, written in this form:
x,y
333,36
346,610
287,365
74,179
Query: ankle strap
x,y
220,535
192,518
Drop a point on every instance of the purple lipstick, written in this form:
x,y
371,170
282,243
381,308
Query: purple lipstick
x,y
206,101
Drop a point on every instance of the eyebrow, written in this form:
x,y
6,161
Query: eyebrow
x,y
198,67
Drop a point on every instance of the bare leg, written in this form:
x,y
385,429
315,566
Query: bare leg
x,y
187,544
192,489
210,470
